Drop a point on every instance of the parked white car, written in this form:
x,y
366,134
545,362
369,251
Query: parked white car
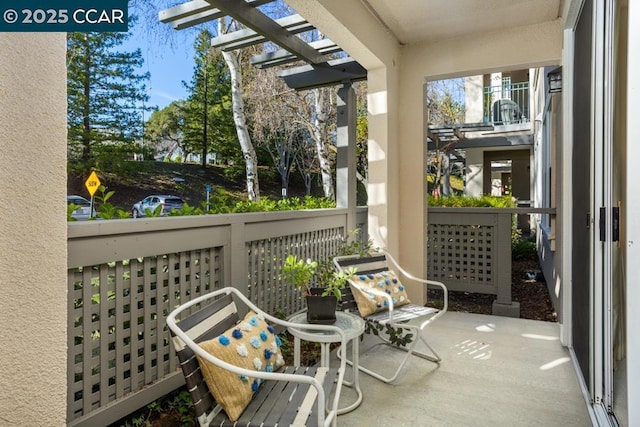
x,y
150,203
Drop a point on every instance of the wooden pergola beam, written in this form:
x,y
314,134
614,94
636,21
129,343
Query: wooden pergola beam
x,y
261,23
195,12
247,37
336,72
282,56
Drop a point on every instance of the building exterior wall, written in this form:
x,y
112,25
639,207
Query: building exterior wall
x,y
33,229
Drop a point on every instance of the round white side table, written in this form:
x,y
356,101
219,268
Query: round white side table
x,y
353,327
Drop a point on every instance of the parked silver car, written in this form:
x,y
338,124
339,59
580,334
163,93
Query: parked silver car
x,y
84,210
167,202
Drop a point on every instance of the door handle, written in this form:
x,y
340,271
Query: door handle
x,y
615,224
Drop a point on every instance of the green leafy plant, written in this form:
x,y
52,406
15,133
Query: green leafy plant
x,y
153,213
175,409
105,209
299,273
524,249
71,208
336,281
186,210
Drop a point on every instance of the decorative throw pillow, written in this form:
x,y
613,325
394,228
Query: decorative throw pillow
x,y
363,285
251,344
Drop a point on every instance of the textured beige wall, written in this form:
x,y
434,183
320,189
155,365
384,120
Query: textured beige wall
x,y
33,228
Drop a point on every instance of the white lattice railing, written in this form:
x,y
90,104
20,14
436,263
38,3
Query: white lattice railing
x,y
125,276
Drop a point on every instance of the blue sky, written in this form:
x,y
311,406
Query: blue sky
x,y
168,62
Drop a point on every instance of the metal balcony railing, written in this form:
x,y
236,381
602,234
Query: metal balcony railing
x,y
506,104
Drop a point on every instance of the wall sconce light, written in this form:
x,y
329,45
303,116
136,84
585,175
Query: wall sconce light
x,y
555,80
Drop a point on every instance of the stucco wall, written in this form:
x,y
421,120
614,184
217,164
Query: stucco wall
x,y
33,251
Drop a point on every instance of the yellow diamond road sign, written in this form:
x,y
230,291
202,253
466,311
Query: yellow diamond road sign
x,y
92,183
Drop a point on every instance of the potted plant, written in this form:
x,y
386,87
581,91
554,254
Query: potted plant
x,y
321,301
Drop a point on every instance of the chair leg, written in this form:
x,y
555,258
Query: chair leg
x,y
434,357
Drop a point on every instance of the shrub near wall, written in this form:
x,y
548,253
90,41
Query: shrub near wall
x,y
472,202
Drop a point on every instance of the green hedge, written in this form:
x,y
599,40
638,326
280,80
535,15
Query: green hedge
x,y
472,202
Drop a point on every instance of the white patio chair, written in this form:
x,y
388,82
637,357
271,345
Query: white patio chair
x,y
289,396
391,307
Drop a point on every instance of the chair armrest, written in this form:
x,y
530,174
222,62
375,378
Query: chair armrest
x,y
424,282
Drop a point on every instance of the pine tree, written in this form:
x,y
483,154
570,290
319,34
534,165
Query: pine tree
x,y
106,94
208,114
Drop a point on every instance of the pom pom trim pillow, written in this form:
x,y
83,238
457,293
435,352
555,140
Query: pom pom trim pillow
x,y
363,286
251,344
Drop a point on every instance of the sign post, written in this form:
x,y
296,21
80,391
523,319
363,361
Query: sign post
x,y
208,188
92,183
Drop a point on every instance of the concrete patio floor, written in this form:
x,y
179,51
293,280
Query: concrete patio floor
x,y
495,371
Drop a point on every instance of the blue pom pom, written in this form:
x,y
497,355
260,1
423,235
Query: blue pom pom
x,y
237,334
387,281
254,321
223,340
388,291
255,386
401,288
386,303
278,341
370,276
263,336
362,277
244,378
267,354
269,368
395,280
255,342
270,329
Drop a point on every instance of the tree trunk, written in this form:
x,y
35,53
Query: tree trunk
x,y
446,171
86,121
437,180
320,139
205,118
239,117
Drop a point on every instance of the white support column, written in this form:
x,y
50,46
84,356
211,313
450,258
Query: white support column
x,y
346,158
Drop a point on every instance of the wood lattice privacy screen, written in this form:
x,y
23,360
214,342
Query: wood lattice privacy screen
x,y
119,337
469,250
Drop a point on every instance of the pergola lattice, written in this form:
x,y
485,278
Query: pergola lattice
x,y
326,63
